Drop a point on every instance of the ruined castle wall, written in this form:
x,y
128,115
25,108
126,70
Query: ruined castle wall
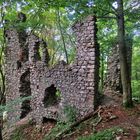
x,y
13,74
87,60
113,76
77,83
12,83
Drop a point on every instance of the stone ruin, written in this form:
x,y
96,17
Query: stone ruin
x,y
113,76
51,88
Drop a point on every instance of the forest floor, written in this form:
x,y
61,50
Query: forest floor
x,y
110,115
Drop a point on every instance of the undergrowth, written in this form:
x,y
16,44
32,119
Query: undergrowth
x,y
138,136
57,129
108,134
70,114
18,133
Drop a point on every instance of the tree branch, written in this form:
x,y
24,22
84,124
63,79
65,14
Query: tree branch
x,y
111,17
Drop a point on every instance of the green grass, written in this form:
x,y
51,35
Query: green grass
x,y
108,134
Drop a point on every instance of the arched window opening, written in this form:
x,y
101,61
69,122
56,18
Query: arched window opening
x,y
47,120
52,96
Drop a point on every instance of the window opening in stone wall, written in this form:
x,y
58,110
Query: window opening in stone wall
x,y
52,96
43,51
22,56
36,52
47,120
19,65
25,91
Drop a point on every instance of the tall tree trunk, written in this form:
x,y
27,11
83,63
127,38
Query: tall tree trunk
x,y
125,77
2,86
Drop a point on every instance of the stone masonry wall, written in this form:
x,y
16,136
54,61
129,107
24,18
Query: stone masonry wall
x,y
113,76
13,73
77,83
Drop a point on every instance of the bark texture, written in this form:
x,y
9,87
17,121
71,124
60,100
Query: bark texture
x,y
125,77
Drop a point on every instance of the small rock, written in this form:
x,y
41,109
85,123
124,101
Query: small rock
x,y
38,128
113,117
118,137
86,132
126,134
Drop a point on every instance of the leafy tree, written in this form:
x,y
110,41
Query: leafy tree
x,y
115,10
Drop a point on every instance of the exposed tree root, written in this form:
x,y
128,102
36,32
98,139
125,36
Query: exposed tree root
x,y
99,115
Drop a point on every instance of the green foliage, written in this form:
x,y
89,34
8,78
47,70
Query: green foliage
x,y
57,129
10,106
70,113
136,69
18,134
136,87
138,135
58,94
108,134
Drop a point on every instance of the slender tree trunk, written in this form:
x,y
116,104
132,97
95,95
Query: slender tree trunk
x,y
62,36
2,96
2,87
102,71
125,77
